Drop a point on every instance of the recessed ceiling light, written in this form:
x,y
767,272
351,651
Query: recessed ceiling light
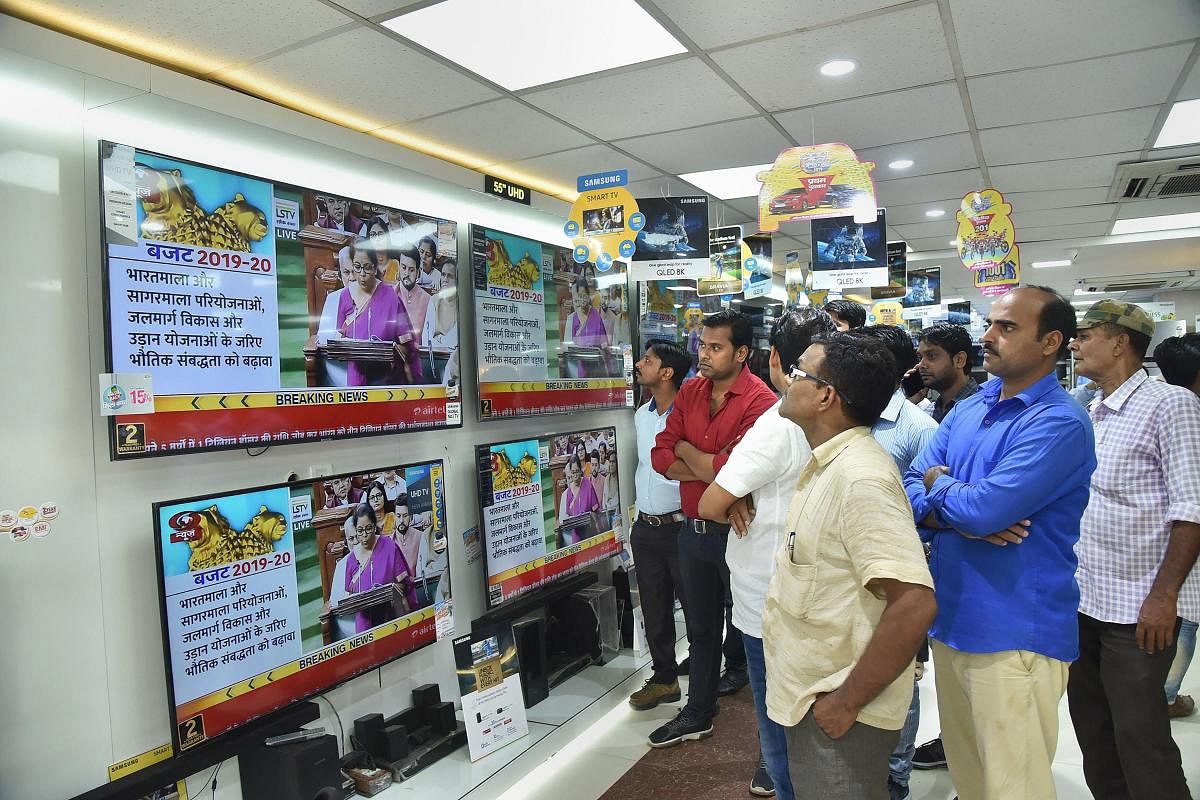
x,y
935,212
455,29
727,184
1167,222
1066,262
954,242
1182,125
838,67
901,163
908,248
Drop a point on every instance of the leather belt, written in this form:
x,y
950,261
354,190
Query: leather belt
x,y
703,526
657,520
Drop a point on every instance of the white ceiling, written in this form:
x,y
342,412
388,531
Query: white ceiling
x,y
1038,99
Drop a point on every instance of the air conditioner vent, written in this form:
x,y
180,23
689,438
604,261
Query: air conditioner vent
x,y
1143,180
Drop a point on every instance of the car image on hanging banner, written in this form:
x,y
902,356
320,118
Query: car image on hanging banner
x,y
824,180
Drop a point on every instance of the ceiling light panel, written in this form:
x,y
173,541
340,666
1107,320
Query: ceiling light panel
x,y
728,183
1182,125
1164,223
569,34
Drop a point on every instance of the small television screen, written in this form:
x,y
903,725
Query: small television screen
x,y
604,220
552,335
840,243
267,313
550,506
273,594
924,287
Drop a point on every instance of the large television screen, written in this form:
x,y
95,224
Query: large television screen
x,y
552,335
273,594
266,313
550,506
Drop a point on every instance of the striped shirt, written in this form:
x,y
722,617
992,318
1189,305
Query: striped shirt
x,y
903,430
1147,477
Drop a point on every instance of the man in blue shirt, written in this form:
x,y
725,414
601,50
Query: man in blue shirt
x,y
1000,492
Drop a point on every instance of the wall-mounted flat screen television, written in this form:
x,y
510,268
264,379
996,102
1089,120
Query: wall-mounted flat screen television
x,y
552,335
549,506
267,313
273,594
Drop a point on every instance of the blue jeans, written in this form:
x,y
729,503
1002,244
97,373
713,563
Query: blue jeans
x,y
772,737
1185,647
900,762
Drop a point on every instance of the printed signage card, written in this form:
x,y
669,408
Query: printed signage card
x,y
489,678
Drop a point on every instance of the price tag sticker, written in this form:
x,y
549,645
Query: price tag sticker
x,y
125,393
453,413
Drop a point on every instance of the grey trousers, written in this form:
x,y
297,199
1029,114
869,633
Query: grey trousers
x,y
854,767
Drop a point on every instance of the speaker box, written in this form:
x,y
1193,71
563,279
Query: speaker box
x,y
625,582
426,695
529,635
396,744
295,771
368,732
441,718
590,619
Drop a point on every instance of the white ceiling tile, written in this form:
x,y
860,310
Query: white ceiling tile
x,y
906,191
724,144
568,165
936,243
1114,132
711,23
746,206
1061,198
1181,151
663,186
782,73
223,31
502,130
941,154
1032,33
678,94
1068,173
370,74
871,121
1047,217
1157,207
912,214
945,228
1083,87
1082,231
1191,87
384,9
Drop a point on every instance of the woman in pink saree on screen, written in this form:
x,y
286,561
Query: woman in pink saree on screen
x,y
375,561
585,325
377,315
580,495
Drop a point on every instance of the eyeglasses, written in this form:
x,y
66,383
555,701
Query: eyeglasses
x,y
797,373
365,269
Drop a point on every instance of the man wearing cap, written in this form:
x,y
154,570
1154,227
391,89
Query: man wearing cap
x,y
1139,540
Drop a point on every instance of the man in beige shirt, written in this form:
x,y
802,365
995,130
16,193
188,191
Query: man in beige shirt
x,y
851,598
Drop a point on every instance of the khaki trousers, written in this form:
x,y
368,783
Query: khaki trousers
x,y
999,715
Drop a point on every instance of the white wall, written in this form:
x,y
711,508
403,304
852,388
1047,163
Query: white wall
x,y
83,683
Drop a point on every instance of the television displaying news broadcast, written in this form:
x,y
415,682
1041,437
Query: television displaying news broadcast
x,y
552,335
273,594
550,507
267,313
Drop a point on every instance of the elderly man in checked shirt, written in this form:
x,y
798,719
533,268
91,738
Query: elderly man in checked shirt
x,y
1138,543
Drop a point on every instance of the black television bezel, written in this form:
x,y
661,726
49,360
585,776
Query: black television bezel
x,y
162,598
487,564
106,310
471,227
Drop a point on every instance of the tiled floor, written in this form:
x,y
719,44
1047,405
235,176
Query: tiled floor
x,y
605,750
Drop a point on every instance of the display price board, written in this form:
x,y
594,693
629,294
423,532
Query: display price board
x,y
268,313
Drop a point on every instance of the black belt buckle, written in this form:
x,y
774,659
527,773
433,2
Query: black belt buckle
x,y
707,526
654,520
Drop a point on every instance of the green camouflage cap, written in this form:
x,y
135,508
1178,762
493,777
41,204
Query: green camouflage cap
x,y
1127,315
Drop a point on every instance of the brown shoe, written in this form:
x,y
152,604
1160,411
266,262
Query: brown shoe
x,y
1183,706
653,693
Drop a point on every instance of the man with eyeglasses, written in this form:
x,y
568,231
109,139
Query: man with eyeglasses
x,y
712,413
414,298
851,597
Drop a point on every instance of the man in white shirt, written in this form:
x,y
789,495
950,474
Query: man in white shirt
x,y
655,534
755,486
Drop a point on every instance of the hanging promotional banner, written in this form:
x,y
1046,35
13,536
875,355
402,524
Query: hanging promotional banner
x,y
756,268
674,242
997,279
813,182
848,254
726,262
793,279
897,285
924,287
985,232
604,219
885,312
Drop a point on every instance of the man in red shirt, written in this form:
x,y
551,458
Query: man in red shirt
x,y
712,412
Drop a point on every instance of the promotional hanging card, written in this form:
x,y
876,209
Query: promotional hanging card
x,y
728,257
604,220
985,232
489,679
659,317
823,180
924,287
793,279
849,255
756,269
959,313
885,312
997,279
674,242
897,287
